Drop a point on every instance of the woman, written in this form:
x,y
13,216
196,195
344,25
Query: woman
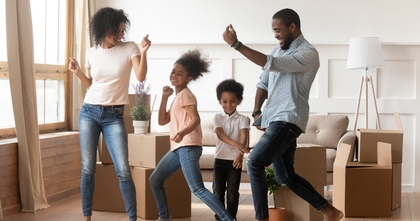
x,y
109,64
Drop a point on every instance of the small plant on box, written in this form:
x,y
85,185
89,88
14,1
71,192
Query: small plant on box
x,y
272,183
139,110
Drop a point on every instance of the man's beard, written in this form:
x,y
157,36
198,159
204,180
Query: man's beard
x,y
286,44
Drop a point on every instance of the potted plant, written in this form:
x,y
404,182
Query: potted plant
x,y
140,111
276,213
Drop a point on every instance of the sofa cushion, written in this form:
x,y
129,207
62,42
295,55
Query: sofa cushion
x,y
207,157
207,126
254,136
325,130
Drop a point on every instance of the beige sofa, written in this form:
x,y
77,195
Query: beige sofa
x,y
325,130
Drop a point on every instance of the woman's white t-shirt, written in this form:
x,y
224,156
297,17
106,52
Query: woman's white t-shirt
x,y
110,69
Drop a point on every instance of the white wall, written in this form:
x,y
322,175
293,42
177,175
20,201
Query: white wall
x,y
178,25
323,21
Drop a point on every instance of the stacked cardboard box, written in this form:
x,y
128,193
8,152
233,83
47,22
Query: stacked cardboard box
x,y
178,194
363,189
107,195
145,151
367,152
310,163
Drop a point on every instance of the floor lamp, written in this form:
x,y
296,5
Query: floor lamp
x,y
365,53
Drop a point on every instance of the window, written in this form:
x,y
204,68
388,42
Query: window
x,y
49,35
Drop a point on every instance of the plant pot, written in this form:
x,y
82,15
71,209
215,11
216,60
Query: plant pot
x,y
276,214
140,127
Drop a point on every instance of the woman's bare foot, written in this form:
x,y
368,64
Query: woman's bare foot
x,y
331,213
87,218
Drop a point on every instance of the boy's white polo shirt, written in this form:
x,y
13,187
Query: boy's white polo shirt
x,y
231,126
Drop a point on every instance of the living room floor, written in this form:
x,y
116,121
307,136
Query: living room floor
x,y
69,209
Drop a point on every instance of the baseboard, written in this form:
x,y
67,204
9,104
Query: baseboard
x,y
7,211
407,188
63,194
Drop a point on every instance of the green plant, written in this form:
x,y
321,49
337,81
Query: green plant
x,y
139,110
272,183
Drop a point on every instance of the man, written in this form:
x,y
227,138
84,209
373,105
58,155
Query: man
x,y
288,73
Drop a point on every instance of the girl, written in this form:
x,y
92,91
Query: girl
x,y
185,136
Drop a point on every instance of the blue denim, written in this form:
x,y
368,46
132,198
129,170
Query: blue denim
x,y
93,120
187,158
277,146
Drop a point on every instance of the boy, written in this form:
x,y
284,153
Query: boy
x,y
231,129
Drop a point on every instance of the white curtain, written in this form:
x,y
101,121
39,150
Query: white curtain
x,y
84,9
20,55
1,211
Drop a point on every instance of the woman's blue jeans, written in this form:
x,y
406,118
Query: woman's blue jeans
x,y
186,158
277,146
93,120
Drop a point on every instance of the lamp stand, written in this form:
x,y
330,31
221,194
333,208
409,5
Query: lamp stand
x,y
366,80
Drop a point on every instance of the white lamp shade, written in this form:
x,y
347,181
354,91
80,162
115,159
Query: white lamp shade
x,y
364,53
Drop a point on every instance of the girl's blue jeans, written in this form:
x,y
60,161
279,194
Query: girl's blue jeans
x,y
186,158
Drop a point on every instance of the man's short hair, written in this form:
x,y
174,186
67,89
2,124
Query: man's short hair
x,y
288,16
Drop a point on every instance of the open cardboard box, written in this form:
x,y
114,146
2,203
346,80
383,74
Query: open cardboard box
x,y
396,185
363,189
368,139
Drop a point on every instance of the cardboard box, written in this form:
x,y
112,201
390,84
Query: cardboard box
x,y
107,195
298,209
311,163
177,190
361,189
103,154
396,186
146,150
368,139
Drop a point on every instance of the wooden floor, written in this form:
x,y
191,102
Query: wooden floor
x,y
69,209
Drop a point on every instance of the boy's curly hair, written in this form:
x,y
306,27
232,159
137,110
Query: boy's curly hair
x,y
230,85
194,63
107,21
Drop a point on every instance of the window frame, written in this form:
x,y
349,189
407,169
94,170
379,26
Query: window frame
x,y
52,72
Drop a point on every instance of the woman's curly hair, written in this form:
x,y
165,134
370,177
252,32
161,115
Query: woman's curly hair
x,y
194,63
107,21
